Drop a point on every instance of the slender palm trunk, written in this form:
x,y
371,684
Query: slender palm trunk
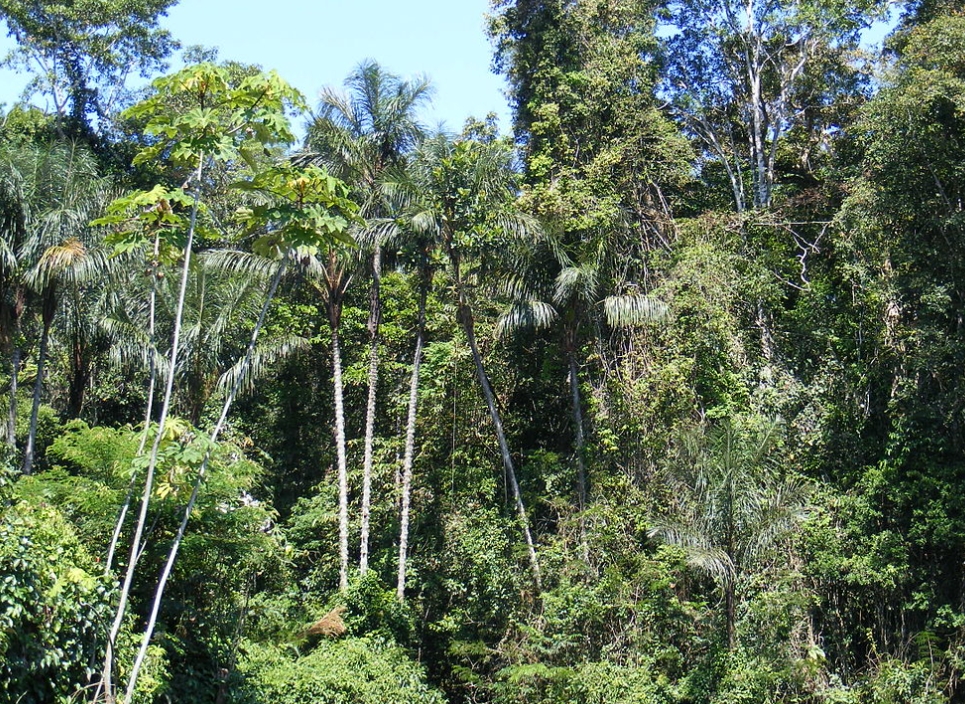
x,y
107,674
581,479
730,605
12,408
28,453
375,319
410,444
465,317
342,466
581,484
219,426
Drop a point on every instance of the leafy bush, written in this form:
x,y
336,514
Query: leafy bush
x,y
590,683
53,607
350,671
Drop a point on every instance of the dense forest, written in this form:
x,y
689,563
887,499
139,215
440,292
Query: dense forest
x,y
654,396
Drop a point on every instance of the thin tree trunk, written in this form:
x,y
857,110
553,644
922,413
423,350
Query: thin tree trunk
x,y
342,468
581,480
28,453
219,426
410,444
152,463
375,319
12,409
465,317
730,606
581,486
148,413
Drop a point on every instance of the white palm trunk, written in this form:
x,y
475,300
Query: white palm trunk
x,y
342,464
410,448
375,315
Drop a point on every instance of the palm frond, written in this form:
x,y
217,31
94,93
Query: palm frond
x,y
233,262
263,358
633,309
526,314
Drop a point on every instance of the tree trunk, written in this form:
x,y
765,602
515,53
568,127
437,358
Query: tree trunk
x,y
148,413
175,546
375,319
12,408
410,444
465,317
581,480
730,605
80,359
581,486
342,468
28,453
107,673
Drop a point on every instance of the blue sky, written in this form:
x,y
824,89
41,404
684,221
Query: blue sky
x,y
314,44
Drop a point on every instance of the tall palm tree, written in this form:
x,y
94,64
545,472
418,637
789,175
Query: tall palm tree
x,y
467,195
593,286
16,249
331,274
732,503
47,195
358,136
423,269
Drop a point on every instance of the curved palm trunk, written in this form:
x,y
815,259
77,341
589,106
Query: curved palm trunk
x,y
342,466
107,673
28,453
375,319
410,444
219,426
468,325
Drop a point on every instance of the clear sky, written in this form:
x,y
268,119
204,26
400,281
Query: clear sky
x,y
317,43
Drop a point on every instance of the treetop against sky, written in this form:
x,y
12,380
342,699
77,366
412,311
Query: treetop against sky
x,y
317,44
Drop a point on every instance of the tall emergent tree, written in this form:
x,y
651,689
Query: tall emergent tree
x,y
202,116
600,157
307,209
742,74
82,52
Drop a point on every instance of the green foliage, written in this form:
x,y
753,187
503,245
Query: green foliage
x,y
374,610
590,683
349,671
310,210
53,606
202,112
85,50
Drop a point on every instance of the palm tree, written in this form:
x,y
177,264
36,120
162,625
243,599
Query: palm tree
x,y
359,136
732,503
331,275
67,263
47,195
592,286
15,246
467,193
424,270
